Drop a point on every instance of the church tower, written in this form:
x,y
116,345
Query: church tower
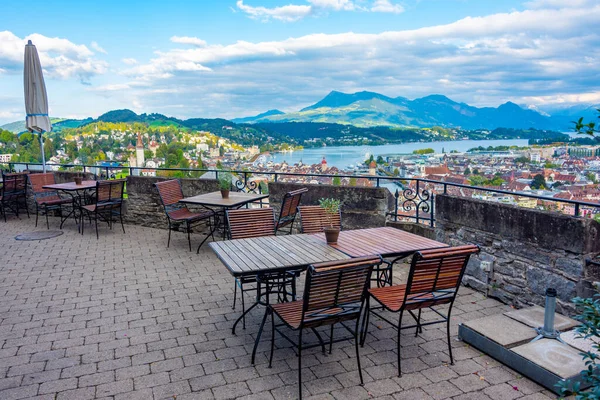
x,y
139,153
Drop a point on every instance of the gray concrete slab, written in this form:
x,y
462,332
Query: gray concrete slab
x,y
581,344
502,330
554,356
534,317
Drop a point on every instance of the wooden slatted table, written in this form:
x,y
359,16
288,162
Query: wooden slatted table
x,y
76,192
214,201
249,257
386,242
270,254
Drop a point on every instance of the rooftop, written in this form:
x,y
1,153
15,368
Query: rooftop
x,y
124,317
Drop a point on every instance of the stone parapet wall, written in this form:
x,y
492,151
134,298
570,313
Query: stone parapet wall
x,y
529,250
362,207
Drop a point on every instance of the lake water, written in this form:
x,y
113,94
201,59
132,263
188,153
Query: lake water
x,y
344,156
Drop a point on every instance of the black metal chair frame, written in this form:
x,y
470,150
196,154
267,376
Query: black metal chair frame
x,y
328,316
105,210
443,296
289,219
38,198
190,223
15,197
265,285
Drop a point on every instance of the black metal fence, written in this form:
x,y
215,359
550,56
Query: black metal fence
x,y
414,197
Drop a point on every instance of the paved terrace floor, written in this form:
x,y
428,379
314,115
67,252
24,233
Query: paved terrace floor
x,y
123,317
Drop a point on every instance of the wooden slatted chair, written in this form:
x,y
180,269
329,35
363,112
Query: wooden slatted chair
x,y
250,223
108,203
46,200
289,209
314,218
14,192
334,292
170,192
433,280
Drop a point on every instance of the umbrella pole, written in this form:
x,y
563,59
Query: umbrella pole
x,y
43,151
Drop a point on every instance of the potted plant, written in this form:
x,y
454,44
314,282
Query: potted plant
x,y
332,210
225,184
78,179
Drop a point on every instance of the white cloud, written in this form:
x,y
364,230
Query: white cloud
x,y
480,60
129,61
188,40
60,58
336,5
386,6
98,48
287,13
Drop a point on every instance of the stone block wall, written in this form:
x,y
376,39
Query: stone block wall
x,y
143,206
362,207
529,250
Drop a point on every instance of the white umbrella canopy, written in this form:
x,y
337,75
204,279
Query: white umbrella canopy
x,y
36,99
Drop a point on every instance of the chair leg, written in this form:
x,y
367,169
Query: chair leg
x,y
272,339
331,338
188,233
356,337
96,220
169,239
300,365
121,218
243,305
37,210
47,222
235,285
448,335
399,332
366,322
260,330
419,328
320,339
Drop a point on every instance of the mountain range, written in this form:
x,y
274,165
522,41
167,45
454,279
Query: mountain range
x,y
367,109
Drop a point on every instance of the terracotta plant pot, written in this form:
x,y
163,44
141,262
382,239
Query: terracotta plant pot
x,y
331,234
225,194
78,180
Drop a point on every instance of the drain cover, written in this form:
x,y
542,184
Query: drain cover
x,y
39,235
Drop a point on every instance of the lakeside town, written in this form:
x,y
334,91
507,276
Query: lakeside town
x,y
556,171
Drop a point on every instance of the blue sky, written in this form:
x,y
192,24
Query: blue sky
x,y
231,58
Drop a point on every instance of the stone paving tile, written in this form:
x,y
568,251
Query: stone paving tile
x,y
125,318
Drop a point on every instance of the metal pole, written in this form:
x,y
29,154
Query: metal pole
x,y
43,152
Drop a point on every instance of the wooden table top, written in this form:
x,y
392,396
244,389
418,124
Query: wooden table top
x,y
385,241
71,186
214,199
273,253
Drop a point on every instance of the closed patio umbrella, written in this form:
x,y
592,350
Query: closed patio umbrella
x,y
36,99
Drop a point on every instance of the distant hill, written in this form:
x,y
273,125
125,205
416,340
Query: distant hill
x,y
367,109
257,117
57,124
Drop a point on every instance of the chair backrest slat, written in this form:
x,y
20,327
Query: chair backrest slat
x,y
38,181
109,192
251,222
289,206
435,275
314,218
15,183
336,289
170,191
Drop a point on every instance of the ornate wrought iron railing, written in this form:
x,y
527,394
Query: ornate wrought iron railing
x,y
414,197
